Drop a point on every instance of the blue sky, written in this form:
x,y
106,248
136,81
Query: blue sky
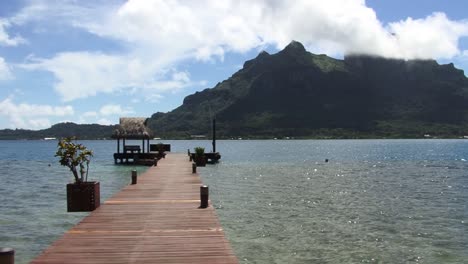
x,y
94,61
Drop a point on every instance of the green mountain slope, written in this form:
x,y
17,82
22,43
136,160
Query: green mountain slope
x,y
296,93
92,131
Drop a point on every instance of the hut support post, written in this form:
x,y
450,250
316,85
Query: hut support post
x,y
214,135
118,145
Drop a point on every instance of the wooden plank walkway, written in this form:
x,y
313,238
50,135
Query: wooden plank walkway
x,y
155,221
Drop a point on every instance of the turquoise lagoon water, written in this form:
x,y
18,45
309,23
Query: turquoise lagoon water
x,y
375,201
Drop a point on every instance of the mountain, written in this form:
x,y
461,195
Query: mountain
x,y
294,93
299,94
92,131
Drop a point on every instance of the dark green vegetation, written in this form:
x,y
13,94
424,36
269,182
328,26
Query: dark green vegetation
x,y
61,130
298,94
294,93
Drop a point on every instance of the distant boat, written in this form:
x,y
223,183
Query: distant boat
x,y
50,138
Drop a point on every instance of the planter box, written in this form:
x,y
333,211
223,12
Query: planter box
x,y
200,161
83,197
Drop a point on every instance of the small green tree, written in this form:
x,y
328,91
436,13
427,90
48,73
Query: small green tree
x,y
199,152
73,155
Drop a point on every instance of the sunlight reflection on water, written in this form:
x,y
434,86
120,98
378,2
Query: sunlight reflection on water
x,y
373,202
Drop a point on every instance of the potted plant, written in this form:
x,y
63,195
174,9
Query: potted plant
x,y
200,158
161,150
82,195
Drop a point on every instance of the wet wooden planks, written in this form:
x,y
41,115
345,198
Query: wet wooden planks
x,y
154,221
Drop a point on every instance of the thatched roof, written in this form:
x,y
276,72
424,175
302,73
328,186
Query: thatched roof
x,y
133,128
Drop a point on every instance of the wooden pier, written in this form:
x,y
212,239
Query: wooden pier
x,y
155,221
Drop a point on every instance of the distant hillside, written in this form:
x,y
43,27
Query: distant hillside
x,y
296,93
93,131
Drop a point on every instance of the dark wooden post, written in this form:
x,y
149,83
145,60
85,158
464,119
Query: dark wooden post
x,y
143,146
155,162
7,256
188,152
214,135
118,145
134,177
194,167
204,196
124,144
148,145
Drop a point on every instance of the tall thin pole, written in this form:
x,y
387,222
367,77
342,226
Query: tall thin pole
x,y
214,135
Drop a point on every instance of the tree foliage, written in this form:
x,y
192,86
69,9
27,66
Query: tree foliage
x,y
74,156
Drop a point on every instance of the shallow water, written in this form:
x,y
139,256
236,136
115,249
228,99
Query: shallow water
x,y
375,201
391,201
33,208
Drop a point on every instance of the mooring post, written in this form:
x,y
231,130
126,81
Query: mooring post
x,y
214,135
204,196
134,177
155,162
194,167
190,158
188,152
7,256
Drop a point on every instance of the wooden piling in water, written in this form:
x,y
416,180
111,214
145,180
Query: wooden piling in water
x,y
134,177
7,256
204,193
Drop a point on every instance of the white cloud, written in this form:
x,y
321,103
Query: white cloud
x,y
104,121
5,39
34,116
432,37
84,74
160,35
177,81
189,29
39,123
102,115
5,72
112,109
88,117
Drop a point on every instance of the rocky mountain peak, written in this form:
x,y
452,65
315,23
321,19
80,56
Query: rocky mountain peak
x,y
294,47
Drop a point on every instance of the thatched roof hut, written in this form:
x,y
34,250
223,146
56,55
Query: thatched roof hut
x,y
133,128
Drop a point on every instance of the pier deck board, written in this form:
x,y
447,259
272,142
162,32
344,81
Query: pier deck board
x,y
155,221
